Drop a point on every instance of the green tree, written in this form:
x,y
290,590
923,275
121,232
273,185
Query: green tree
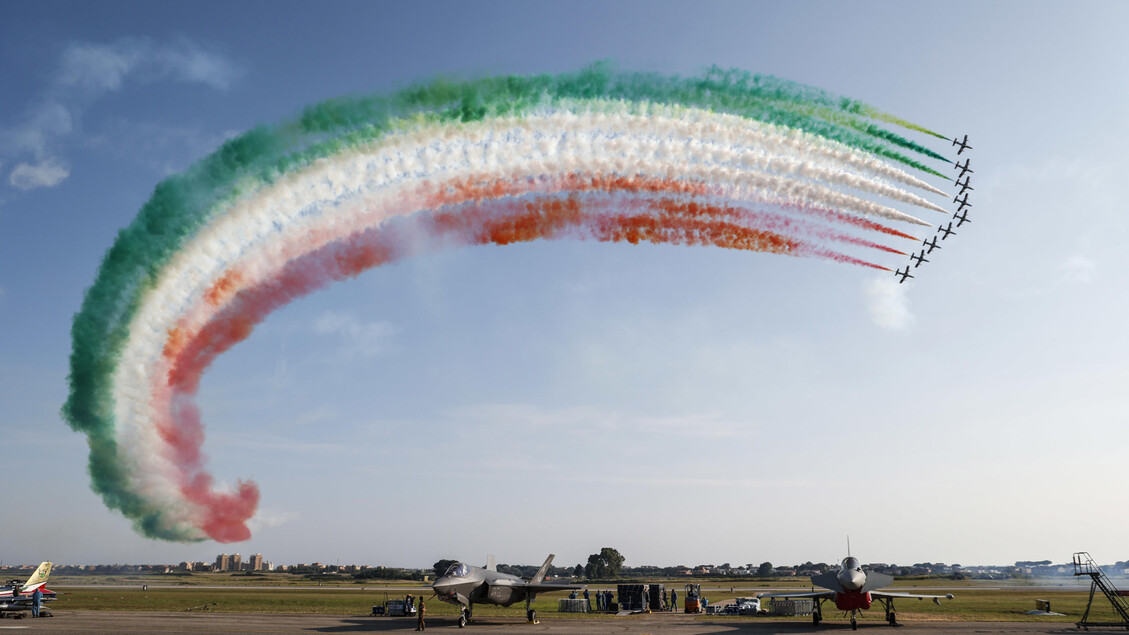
x,y
606,564
578,571
765,569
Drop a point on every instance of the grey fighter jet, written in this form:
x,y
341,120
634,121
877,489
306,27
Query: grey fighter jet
x,y
466,585
854,590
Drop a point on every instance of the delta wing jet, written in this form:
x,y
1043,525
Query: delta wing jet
x,y
466,585
854,590
16,597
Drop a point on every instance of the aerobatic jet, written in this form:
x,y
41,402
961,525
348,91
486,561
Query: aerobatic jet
x,y
947,230
920,258
963,202
964,169
961,218
963,144
854,590
466,585
902,274
931,244
964,187
16,597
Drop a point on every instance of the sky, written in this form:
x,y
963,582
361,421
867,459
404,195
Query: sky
x,y
683,405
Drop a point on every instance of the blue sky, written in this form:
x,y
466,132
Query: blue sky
x,y
683,405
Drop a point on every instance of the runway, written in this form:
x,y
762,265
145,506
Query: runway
x,y
112,622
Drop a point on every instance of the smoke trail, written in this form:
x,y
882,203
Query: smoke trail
x,y
725,160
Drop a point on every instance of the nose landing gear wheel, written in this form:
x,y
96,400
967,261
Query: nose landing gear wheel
x,y
854,624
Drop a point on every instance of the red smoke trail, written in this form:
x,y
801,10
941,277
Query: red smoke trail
x,y
511,220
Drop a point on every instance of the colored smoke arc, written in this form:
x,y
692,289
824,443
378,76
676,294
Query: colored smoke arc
x,y
724,159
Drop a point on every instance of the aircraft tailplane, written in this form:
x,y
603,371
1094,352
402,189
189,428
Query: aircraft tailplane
x,y
37,579
540,575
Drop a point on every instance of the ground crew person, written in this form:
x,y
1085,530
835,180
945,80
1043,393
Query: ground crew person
x,y
419,616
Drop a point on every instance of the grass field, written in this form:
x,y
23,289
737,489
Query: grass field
x,y
974,601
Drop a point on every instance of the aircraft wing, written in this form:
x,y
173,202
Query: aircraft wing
x,y
549,588
894,594
827,595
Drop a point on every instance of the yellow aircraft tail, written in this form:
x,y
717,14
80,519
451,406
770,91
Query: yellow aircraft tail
x,y
37,579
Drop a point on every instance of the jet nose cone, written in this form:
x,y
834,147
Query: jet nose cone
x,y
852,580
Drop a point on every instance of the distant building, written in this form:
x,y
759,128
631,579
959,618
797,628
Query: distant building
x,y
223,563
237,562
256,562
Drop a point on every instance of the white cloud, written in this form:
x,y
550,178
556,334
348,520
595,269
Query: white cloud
x,y
363,338
103,68
48,173
887,302
1077,270
87,72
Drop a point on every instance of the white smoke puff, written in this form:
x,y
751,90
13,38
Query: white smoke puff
x,y
887,302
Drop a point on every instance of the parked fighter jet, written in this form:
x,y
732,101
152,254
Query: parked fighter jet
x,y
854,590
903,274
963,144
963,202
964,187
947,230
466,585
961,218
920,258
18,598
931,244
964,169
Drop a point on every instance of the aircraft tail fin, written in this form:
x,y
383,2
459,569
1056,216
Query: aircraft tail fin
x,y
37,579
490,564
540,575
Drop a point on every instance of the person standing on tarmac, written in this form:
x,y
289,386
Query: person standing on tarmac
x,y
419,616
36,602
673,600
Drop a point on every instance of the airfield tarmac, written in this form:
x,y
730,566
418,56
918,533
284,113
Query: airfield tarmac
x,y
678,624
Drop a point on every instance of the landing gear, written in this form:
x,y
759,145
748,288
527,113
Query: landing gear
x,y
891,616
464,616
817,613
854,624
530,614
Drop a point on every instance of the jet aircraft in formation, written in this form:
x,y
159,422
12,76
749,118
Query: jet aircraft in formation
x,y
960,215
853,590
964,169
964,187
963,144
466,585
16,597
